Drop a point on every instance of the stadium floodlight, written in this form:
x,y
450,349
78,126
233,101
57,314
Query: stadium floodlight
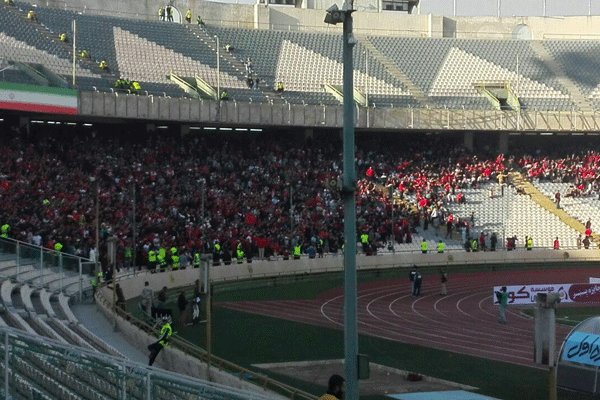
x,y
334,16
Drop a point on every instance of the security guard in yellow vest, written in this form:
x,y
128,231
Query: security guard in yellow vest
x,y
62,37
162,259
424,246
174,259
188,16
474,245
297,252
239,254
135,87
4,230
441,246
58,247
161,13
103,65
152,260
31,15
197,260
163,340
364,241
529,243
99,277
128,256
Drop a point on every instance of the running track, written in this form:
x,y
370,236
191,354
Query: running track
x,y
464,321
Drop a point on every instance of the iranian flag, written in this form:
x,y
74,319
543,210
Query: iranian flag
x,y
42,99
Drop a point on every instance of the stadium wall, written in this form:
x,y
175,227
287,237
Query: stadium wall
x,y
192,111
379,23
259,269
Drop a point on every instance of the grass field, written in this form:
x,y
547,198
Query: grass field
x,y
248,339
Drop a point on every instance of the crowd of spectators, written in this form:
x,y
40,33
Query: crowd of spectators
x,y
264,193
581,170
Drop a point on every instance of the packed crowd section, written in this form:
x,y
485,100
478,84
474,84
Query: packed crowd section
x,y
581,170
264,193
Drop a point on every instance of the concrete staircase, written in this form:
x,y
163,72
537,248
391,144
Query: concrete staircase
x,y
393,69
557,69
536,195
238,65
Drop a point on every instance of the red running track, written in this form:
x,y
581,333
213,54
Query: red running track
x,y
464,321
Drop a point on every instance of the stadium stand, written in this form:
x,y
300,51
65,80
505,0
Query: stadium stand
x,y
148,51
50,369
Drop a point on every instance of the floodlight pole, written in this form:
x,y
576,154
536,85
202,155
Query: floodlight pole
x,y
218,69
348,195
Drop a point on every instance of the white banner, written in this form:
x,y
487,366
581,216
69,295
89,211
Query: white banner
x,y
525,294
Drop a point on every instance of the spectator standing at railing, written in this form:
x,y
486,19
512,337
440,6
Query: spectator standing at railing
x,y
493,241
579,241
556,244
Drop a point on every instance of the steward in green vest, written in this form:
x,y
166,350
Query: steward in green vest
x,y
239,255
197,260
4,229
163,340
174,259
152,260
162,259
297,252
424,246
474,245
128,256
441,246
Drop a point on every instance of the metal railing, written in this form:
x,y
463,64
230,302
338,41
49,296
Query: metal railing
x,y
42,267
193,350
25,358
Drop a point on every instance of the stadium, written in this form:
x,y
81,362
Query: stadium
x,y
172,194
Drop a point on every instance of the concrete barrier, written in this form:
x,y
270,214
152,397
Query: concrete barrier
x,y
171,358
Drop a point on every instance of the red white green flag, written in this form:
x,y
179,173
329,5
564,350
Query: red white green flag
x,y
42,99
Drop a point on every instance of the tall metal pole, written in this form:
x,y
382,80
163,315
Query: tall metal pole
x,y
454,8
208,319
348,192
367,86
544,8
134,228
218,69
291,211
74,49
97,226
499,8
